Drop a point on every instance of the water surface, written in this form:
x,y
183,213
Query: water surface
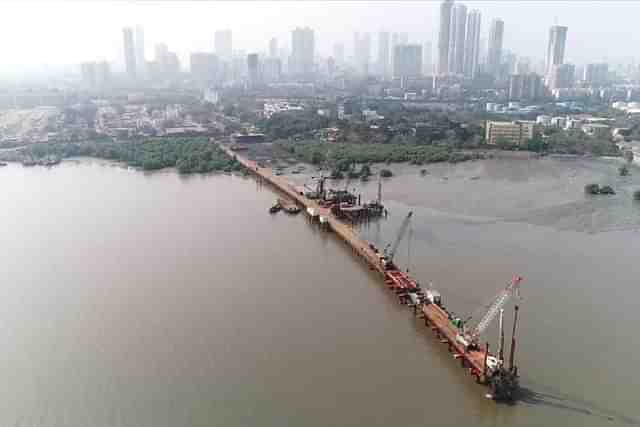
x,y
135,299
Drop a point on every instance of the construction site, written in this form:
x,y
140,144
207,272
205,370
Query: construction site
x,y
337,210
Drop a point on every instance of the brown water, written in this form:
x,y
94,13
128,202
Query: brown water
x,y
134,299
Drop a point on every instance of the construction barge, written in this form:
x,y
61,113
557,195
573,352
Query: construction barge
x,y
490,369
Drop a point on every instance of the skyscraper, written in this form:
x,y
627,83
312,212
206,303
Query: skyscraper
x,y
162,52
427,59
383,54
494,54
338,53
273,48
444,36
95,74
129,52
141,62
223,44
395,41
253,66
522,65
525,87
457,38
302,53
561,76
204,67
555,49
272,69
407,61
362,52
472,44
596,73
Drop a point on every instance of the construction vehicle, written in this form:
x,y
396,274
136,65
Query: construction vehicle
x,y
390,250
318,192
470,339
502,381
432,296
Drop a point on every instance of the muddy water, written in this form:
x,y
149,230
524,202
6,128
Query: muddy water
x,y
135,299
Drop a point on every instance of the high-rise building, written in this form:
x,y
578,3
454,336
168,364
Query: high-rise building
x,y
88,73
103,73
472,44
273,48
239,70
172,66
331,67
407,61
129,52
457,39
223,44
253,67
141,62
403,38
494,52
272,70
302,53
166,63
338,53
95,74
395,41
561,76
383,54
555,49
427,59
444,36
525,87
596,74
362,52
162,52
204,67
522,66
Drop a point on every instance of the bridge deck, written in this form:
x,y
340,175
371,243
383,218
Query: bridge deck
x,y
435,316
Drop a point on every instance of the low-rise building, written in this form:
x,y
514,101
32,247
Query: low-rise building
x,y
559,122
270,108
598,130
371,115
543,120
517,132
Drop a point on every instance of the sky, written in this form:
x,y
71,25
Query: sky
x,y
37,33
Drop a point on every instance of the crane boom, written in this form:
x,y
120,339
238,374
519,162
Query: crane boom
x,y
389,253
495,307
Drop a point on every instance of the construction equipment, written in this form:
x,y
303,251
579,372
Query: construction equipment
x,y
390,250
470,339
318,192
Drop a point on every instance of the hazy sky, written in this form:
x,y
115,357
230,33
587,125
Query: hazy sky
x,y
68,32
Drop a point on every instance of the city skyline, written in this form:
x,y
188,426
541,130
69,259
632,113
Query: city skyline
x,y
332,23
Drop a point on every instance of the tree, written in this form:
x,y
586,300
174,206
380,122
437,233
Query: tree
x,y
365,171
536,144
623,170
317,158
504,144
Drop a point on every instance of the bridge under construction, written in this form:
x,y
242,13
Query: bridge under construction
x,y
461,340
